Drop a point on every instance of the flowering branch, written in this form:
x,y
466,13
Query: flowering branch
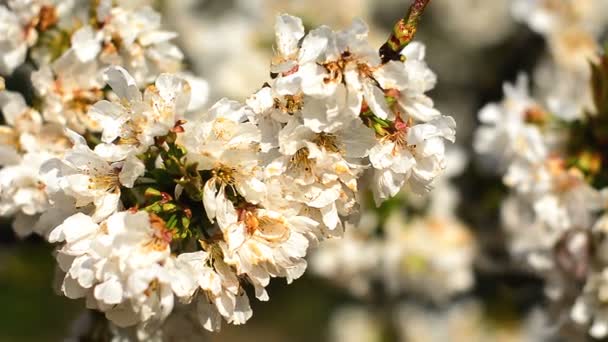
x,y
403,32
199,210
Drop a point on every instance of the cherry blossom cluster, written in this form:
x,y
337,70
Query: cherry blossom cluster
x,y
69,45
550,148
155,204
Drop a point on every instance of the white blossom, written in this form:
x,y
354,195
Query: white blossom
x,y
89,178
130,124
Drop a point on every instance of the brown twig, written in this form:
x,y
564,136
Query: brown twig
x,y
403,32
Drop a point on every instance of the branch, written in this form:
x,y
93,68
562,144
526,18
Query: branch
x,y
403,32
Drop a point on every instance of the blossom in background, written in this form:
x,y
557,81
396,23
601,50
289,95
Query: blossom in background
x,y
548,143
469,320
420,250
571,29
354,323
509,130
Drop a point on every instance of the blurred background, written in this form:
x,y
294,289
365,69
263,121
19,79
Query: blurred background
x,y
432,269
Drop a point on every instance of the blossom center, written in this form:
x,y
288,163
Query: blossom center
x,y
300,160
327,141
225,175
106,181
